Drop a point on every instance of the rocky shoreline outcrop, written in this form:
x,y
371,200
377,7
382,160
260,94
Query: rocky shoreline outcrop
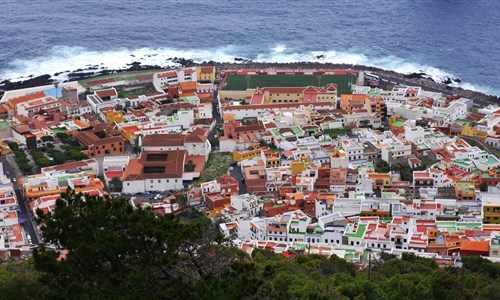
x,y
420,79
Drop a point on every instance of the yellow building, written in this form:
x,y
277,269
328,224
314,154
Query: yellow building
x,y
205,73
352,102
491,208
469,130
239,156
129,132
380,180
297,167
114,116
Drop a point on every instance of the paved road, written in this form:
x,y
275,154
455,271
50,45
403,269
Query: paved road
x,y
236,173
216,116
215,106
386,79
473,141
406,82
29,223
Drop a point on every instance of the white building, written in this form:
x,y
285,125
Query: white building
x,y
173,77
155,171
36,105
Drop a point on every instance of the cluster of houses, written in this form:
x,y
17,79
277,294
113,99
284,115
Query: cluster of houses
x,y
12,236
314,186
155,141
323,161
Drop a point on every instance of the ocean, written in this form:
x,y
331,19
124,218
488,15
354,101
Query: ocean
x,y
442,38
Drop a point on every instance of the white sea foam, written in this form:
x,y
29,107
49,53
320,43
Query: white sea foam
x,y
279,48
64,58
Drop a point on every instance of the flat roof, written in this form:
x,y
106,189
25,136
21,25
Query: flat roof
x,y
359,233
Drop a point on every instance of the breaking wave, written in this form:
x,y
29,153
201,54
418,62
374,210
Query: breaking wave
x,y
62,60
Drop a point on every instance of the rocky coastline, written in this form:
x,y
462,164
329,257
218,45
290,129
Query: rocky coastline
x,y
419,79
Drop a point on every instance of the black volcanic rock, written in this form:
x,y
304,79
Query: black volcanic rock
x,y
183,62
416,76
447,80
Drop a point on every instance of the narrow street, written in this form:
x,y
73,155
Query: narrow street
x,y
238,175
217,117
236,170
26,214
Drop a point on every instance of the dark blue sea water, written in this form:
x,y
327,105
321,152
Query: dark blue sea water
x,y
441,38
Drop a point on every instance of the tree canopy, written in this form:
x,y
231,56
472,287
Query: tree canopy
x,y
106,249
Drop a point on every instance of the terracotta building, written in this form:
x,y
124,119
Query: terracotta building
x,y
100,141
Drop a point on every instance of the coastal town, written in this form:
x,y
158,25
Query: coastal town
x,y
294,161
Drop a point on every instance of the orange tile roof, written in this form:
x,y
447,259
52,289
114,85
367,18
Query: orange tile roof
x,y
12,103
112,174
81,124
482,246
198,161
344,97
188,85
173,166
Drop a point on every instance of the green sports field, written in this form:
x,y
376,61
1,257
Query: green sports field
x,y
239,82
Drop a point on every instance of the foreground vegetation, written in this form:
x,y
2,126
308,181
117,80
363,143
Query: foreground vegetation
x,y
216,166
116,252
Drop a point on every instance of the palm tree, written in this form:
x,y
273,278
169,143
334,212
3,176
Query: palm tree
x,y
56,85
116,184
190,166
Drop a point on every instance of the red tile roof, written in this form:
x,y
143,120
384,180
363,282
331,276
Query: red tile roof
x,y
101,81
195,138
478,246
173,165
207,69
112,174
166,74
188,86
107,93
163,140
13,102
